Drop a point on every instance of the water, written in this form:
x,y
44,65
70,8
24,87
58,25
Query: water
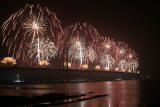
x,y
124,93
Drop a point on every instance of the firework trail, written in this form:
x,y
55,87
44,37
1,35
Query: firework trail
x,y
122,64
108,45
106,52
76,50
125,57
79,41
26,25
79,52
42,49
107,61
114,54
132,60
120,50
34,34
91,54
133,65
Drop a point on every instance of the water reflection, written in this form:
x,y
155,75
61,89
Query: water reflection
x,y
121,93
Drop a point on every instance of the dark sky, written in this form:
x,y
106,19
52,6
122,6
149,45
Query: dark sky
x,y
135,23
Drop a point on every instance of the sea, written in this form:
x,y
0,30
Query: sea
x,y
120,93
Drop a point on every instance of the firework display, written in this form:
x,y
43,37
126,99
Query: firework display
x,y
34,34
25,26
78,44
42,49
107,61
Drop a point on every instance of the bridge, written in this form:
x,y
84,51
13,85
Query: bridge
x,y
54,75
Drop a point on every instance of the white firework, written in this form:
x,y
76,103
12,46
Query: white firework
x,y
107,61
122,64
76,51
133,65
35,26
43,49
91,54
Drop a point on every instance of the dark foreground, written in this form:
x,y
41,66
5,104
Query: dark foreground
x,y
39,88
124,93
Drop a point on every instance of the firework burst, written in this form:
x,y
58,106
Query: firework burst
x,y
34,35
79,41
42,49
76,50
122,64
132,60
91,54
126,58
27,24
106,52
108,45
107,61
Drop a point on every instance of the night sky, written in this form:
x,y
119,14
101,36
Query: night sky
x,y
135,23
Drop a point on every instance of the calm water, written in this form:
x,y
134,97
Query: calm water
x,y
125,93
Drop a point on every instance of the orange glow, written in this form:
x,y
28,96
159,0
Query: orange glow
x,y
123,70
129,70
69,64
138,72
85,66
116,69
97,67
8,61
43,63
106,69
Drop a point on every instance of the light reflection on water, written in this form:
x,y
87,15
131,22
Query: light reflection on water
x,y
124,93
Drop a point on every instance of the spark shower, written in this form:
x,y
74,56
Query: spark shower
x,y
34,34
